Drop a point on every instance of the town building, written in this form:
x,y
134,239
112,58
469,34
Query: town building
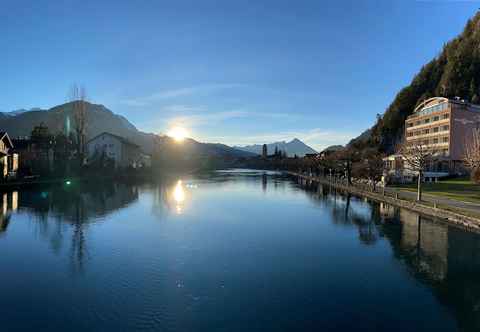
x,y
8,158
37,151
444,126
122,152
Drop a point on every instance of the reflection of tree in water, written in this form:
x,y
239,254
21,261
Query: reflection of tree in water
x,y
161,202
443,257
345,209
74,209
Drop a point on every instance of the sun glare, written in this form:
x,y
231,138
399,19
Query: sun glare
x,y
177,133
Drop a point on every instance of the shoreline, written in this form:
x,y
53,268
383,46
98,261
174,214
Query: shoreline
x,y
468,222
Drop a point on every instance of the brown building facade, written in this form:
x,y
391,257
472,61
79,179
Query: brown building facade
x,y
444,125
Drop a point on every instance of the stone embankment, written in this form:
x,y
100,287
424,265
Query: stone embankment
x,y
468,222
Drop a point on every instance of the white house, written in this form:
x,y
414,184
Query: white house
x,y
123,152
8,157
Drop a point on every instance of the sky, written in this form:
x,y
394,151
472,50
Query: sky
x,y
235,72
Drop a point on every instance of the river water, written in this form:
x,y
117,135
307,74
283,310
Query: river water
x,y
229,251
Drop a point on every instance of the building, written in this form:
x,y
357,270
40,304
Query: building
x,y
9,159
443,125
122,152
37,151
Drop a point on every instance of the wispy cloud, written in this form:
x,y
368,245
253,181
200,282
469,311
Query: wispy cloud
x,y
196,120
176,93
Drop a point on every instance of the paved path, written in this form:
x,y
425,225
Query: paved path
x,y
410,195
474,207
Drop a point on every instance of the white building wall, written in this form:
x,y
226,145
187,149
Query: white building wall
x,y
110,144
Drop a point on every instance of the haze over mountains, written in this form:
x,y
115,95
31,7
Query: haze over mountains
x,y
99,119
294,147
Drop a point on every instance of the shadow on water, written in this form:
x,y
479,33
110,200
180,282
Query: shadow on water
x,y
443,257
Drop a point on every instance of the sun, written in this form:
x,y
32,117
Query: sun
x,y
178,133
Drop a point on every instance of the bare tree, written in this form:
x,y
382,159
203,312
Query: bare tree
x,y
417,156
472,155
370,166
78,98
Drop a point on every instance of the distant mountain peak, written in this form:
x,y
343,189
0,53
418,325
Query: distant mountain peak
x,y
294,147
21,110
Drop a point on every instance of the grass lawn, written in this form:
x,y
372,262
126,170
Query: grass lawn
x,y
460,189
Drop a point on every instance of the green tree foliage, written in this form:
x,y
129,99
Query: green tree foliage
x,y
454,72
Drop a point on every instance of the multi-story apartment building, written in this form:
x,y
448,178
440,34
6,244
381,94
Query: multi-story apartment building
x,y
443,125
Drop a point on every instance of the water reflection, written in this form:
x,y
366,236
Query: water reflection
x,y
9,204
54,208
444,257
179,196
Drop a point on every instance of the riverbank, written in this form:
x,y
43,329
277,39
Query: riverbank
x,y
432,209
25,183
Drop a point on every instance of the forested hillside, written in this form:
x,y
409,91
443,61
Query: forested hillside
x,y
454,72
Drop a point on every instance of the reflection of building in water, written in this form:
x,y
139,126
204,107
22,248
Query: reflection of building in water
x,y
113,197
387,210
9,203
428,241
77,207
445,258
264,182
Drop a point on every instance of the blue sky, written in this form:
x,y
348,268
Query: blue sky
x,y
236,72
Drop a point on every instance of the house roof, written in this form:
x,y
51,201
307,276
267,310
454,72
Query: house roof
x,y
3,135
120,138
430,102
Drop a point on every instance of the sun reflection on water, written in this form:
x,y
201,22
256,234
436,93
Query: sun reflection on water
x,y
179,196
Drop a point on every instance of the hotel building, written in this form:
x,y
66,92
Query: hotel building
x,y
444,125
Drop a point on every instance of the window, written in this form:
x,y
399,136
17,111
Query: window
x,y
435,130
436,118
435,141
426,131
409,124
425,142
445,140
417,123
427,120
446,116
445,128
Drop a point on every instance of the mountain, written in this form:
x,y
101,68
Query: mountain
x,y
99,119
333,148
19,111
59,118
294,147
192,148
454,72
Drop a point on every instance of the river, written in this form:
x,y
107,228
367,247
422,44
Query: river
x,y
236,250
